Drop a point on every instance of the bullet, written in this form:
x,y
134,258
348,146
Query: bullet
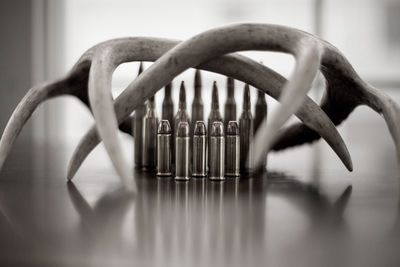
x,y
140,112
217,151
197,105
164,149
246,129
150,124
182,158
167,111
199,166
230,104
182,114
232,158
214,116
260,114
261,110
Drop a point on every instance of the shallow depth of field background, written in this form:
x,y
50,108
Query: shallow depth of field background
x,y
43,39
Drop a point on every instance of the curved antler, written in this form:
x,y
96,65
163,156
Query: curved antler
x,y
345,91
75,84
259,76
193,52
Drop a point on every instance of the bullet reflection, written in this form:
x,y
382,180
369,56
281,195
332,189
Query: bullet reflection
x,y
100,228
197,221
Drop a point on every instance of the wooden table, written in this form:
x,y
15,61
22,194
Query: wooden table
x,y
307,211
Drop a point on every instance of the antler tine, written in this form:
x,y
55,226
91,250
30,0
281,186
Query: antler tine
x,y
346,90
249,71
21,114
72,84
308,62
193,52
75,84
390,110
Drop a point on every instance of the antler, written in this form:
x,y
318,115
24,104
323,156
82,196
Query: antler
x,y
346,94
308,50
75,83
197,50
254,77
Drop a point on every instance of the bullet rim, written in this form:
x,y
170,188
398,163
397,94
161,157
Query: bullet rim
x,y
164,174
217,178
182,178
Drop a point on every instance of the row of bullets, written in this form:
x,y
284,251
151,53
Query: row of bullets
x,y
178,144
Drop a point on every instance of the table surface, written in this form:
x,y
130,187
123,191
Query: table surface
x,y
308,210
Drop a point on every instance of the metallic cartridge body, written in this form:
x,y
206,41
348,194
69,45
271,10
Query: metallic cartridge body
x,y
214,116
261,112
230,104
182,157
199,166
140,112
232,155
246,129
164,149
217,152
197,104
149,150
181,116
167,111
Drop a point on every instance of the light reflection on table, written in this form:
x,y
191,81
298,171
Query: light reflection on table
x,y
307,211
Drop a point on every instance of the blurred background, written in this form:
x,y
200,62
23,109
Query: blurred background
x,y
42,40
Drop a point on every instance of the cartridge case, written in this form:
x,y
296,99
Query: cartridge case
x,y
149,150
167,110
261,111
232,155
217,152
197,104
140,112
230,104
215,116
164,149
181,116
246,129
199,166
182,157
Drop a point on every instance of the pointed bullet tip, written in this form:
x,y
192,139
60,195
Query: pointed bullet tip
x,y
182,93
230,85
246,97
140,68
215,93
168,89
197,79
